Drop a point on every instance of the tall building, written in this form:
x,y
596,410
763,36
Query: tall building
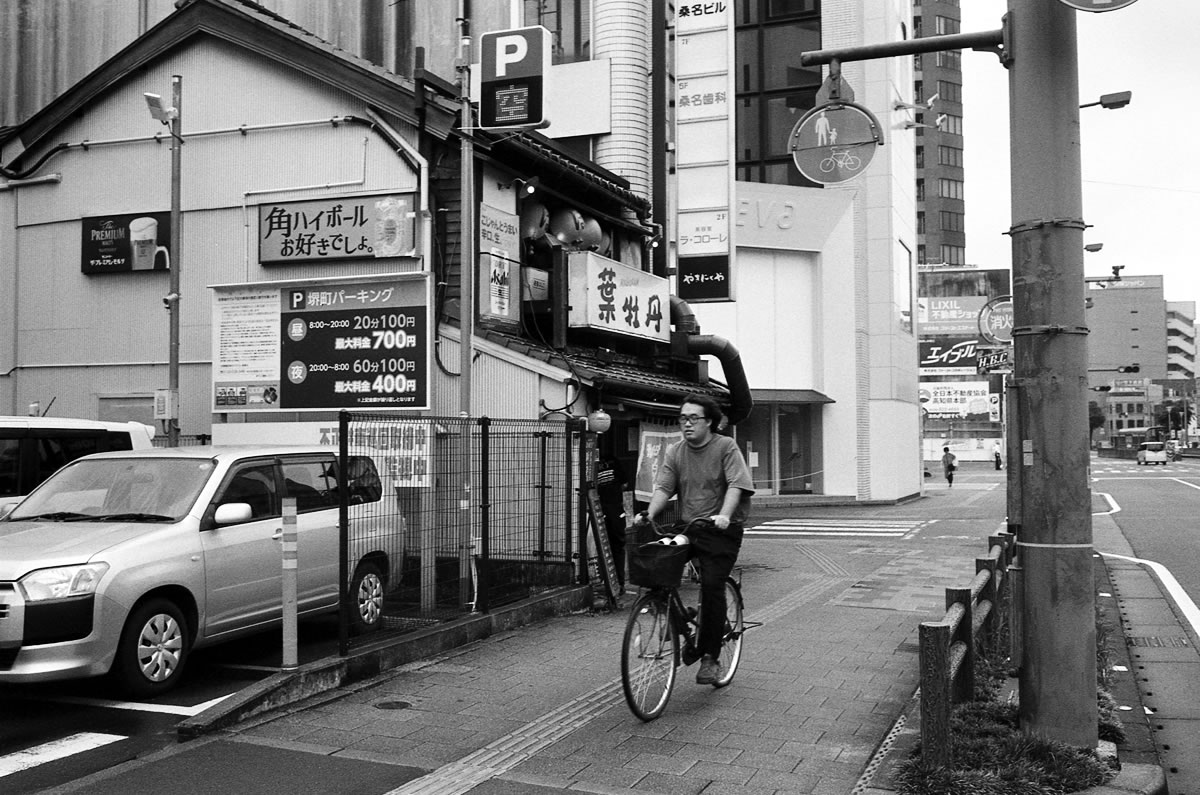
x,y
938,120
1127,323
1181,340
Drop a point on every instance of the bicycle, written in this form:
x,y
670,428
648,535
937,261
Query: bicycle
x,y
651,651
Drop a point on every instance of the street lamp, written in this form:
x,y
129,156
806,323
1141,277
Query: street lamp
x,y
1111,101
172,118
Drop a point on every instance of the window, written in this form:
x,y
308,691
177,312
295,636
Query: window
x,y
951,221
951,124
920,157
950,189
950,59
950,156
946,25
569,23
773,90
920,190
948,91
920,222
954,255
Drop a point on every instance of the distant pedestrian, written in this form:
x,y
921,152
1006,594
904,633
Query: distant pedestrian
x,y
996,455
949,464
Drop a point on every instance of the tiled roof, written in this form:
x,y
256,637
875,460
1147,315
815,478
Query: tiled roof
x,y
617,374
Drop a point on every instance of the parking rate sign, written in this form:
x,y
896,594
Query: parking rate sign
x,y
513,66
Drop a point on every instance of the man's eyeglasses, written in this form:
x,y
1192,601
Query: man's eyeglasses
x,y
690,419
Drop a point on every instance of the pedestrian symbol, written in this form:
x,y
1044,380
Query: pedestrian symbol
x,y
834,142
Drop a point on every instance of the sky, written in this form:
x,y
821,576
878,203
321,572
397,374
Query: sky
x,y
1140,163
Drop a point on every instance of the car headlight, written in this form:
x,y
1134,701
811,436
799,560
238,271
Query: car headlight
x,y
62,581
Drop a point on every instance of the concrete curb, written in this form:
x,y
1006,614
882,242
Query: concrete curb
x,y
289,687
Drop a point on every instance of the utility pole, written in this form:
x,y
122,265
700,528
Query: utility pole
x,y
176,258
1058,671
1048,396
466,296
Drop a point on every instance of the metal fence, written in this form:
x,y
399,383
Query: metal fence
x,y
476,512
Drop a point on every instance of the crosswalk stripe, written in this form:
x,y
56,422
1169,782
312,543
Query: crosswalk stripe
x,y
57,749
835,528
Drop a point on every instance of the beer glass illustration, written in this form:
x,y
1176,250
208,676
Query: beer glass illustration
x,y
143,243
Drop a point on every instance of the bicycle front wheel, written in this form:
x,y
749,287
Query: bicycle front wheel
x,y
735,629
648,656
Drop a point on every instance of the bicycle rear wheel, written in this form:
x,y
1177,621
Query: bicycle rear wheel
x,y
731,641
648,655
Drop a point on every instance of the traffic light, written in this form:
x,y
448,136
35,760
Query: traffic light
x,y
1100,388
1133,368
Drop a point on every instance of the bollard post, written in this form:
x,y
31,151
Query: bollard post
x,y
962,684
290,565
934,646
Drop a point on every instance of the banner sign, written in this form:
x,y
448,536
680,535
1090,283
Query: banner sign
x,y
322,346
948,356
957,315
607,295
653,442
341,228
123,243
950,400
500,261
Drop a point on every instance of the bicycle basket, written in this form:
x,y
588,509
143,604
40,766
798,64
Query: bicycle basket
x,y
656,565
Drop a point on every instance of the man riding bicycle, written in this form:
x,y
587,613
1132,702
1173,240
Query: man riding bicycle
x,y
706,470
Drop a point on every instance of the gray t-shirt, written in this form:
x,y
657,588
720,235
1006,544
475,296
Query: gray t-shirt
x,y
702,475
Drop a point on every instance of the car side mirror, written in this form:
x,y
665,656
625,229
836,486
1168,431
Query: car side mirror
x,y
232,513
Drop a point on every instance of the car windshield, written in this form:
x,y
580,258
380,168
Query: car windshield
x,y
118,489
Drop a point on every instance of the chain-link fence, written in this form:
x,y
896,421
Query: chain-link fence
x,y
479,512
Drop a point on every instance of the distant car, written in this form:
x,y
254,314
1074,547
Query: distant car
x,y
32,448
1152,453
125,562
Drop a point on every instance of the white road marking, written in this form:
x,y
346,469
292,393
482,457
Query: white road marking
x,y
138,706
57,749
835,528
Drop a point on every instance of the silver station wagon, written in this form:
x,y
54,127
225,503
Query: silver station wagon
x,y
124,562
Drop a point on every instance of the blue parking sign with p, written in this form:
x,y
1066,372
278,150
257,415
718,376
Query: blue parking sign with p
x,y
513,66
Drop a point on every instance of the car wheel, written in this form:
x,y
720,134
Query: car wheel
x,y
366,595
153,650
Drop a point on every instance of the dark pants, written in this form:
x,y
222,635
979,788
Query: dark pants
x,y
717,551
997,461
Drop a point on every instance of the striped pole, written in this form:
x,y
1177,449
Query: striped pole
x,y
290,564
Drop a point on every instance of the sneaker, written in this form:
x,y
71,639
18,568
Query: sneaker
x,y
710,671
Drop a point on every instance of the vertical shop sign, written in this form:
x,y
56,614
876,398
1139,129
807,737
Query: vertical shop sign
x,y
500,256
704,152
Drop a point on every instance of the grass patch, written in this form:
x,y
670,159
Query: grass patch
x,y
992,756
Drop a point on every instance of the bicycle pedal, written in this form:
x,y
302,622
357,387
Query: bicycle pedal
x,y
690,654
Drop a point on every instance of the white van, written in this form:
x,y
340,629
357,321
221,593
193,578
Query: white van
x,y
1152,453
33,448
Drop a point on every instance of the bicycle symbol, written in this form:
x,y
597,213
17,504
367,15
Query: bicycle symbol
x,y
842,159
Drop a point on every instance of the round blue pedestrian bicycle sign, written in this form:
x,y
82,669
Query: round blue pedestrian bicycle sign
x,y
834,142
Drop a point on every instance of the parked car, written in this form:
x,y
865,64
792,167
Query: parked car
x,y
122,563
1152,453
32,448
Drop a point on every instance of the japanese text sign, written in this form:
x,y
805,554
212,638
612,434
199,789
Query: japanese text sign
x,y
948,356
327,346
608,296
122,243
356,227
